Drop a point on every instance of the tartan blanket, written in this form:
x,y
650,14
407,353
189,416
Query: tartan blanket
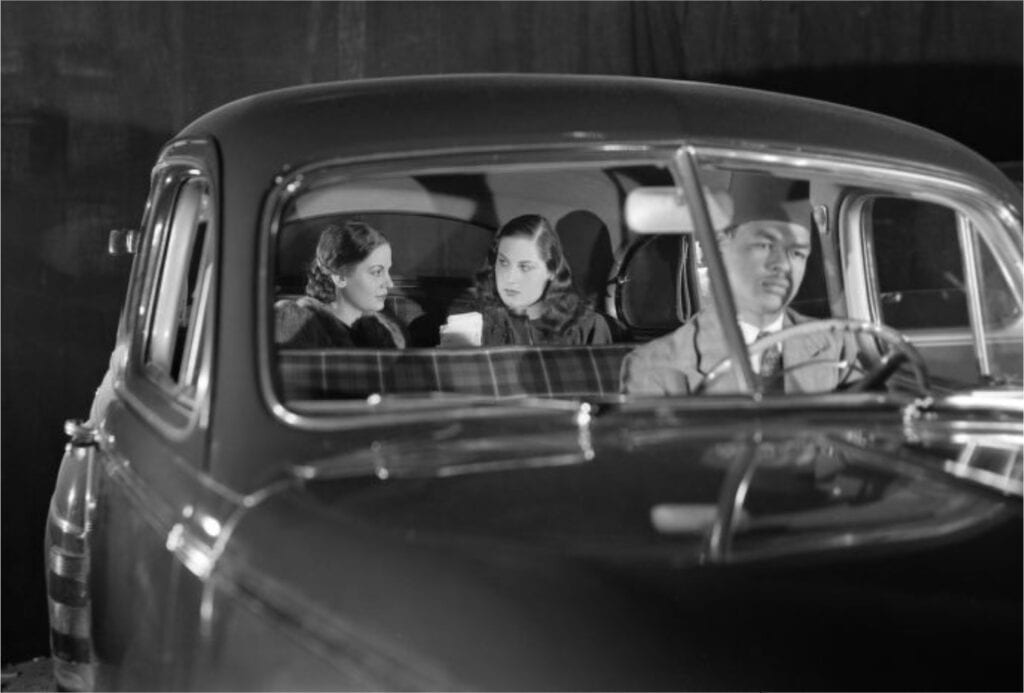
x,y
496,371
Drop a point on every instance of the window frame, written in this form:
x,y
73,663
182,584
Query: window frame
x,y
356,414
177,407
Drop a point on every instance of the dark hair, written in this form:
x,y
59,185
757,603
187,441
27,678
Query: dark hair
x,y
562,304
339,248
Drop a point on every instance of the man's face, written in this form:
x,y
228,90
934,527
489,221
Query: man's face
x,y
765,262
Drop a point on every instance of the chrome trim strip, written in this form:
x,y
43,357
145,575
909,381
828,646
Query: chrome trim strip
x,y
75,621
975,315
245,504
860,270
66,526
371,660
66,565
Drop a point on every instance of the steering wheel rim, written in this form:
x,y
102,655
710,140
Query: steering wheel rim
x,y
856,328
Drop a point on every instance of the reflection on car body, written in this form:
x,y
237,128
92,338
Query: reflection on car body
x,y
239,514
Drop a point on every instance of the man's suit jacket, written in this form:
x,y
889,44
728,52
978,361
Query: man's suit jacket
x,y
676,363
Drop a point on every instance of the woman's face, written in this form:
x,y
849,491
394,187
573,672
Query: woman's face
x,y
365,286
520,274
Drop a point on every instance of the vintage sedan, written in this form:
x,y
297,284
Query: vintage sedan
x,y
243,514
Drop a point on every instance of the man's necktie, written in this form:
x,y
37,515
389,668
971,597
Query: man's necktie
x,y
772,377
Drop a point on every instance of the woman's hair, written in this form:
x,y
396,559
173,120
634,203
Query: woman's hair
x,y
339,248
562,304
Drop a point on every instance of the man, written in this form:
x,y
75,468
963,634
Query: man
x,y
765,250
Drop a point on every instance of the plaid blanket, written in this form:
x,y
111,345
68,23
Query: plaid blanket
x,y
495,371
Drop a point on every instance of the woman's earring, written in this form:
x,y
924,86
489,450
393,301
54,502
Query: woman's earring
x,y
339,281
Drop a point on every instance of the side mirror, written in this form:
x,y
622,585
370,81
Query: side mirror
x,y
662,209
122,242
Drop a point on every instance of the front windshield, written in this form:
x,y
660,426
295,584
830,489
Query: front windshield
x,y
583,280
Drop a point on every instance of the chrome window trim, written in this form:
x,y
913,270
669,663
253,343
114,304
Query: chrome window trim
x,y
180,413
975,315
288,184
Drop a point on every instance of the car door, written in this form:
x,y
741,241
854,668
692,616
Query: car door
x,y
153,442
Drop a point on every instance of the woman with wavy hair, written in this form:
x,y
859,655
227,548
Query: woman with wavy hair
x,y
347,284
526,293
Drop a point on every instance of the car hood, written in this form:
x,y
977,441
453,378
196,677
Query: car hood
x,y
583,550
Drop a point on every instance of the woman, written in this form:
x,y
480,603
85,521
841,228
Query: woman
x,y
526,292
345,292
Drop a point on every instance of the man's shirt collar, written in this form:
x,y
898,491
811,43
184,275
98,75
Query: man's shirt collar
x,y
750,332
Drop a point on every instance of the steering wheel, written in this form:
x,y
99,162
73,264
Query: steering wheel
x,y
881,366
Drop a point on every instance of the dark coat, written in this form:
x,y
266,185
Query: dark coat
x,y
306,323
500,328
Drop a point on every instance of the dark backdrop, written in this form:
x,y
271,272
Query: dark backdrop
x,y
90,90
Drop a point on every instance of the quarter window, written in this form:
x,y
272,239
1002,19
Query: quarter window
x,y
182,290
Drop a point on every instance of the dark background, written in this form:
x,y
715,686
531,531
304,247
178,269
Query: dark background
x,y
90,91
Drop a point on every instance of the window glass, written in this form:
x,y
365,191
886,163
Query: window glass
x,y
918,264
172,348
438,229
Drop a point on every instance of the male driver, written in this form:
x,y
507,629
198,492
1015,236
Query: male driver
x,y
765,250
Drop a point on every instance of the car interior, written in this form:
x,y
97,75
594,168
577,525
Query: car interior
x,y
628,240
440,226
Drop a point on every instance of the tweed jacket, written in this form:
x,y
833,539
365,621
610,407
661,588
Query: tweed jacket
x,y
676,363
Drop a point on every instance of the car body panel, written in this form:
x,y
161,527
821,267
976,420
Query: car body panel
x,y
498,545
239,540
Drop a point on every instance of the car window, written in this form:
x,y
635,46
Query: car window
x,y
793,238
440,227
173,341
918,264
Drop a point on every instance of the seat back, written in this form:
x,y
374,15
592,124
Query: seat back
x,y
493,371
652,269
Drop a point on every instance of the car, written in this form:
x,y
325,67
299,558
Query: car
x,y
242,514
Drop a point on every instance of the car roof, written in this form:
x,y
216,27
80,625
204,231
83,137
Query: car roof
x,y
291,127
